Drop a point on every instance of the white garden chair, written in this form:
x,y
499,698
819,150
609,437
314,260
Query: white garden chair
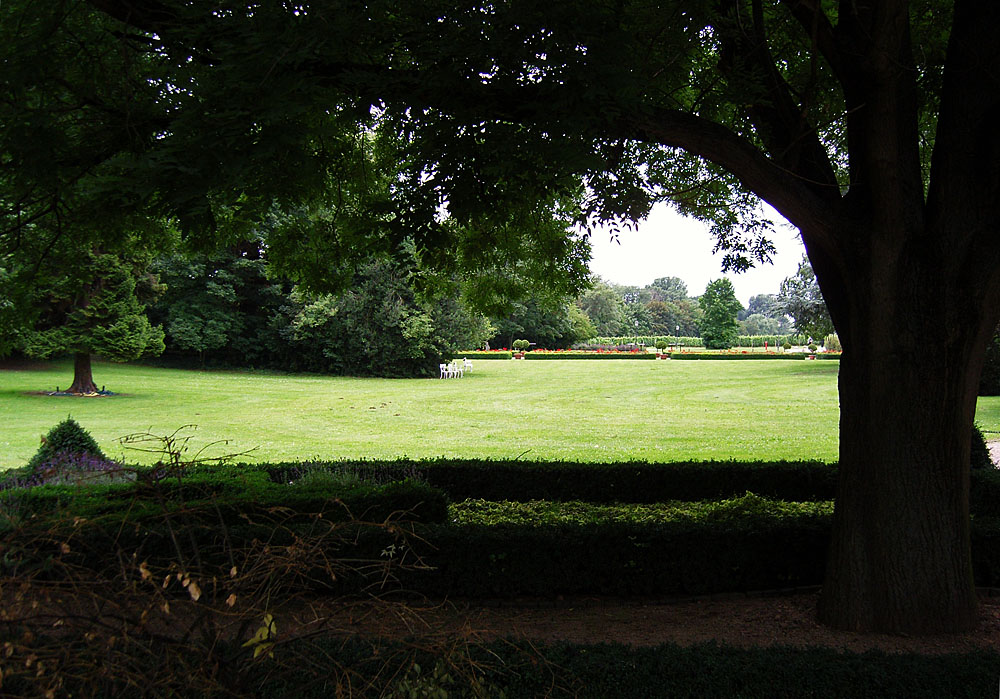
x,y
457,370
466,364
445,371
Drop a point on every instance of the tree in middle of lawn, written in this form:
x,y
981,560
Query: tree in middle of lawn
x,y
90,304
719,327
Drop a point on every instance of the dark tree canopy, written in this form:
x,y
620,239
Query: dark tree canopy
x,y
869,125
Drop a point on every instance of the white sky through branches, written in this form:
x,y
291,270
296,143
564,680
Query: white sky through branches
x,y
669,245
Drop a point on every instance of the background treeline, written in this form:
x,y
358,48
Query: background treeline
x,y
225,309
230,309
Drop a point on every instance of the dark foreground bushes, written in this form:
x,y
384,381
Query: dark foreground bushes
x,y
631,481
176,586
314,669
477,548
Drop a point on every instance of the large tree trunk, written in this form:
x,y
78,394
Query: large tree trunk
x,y
900,553
914,342
83,377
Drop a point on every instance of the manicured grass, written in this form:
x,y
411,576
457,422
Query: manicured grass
x,y
579,410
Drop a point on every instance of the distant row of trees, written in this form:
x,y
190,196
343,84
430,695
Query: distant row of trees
x,y
664,307
230,308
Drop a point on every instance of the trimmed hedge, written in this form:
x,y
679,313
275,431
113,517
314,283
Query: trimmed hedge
x,y
771,340
230,493
735,511
588,355
752,355
503,354
677,558
483,548
630,481
582,671
711,671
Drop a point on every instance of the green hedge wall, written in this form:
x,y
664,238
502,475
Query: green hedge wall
x,y
482,548
752,355
589,355
621,559
503,354
638,482
228,497
630,481
580,671
710,671
648,340
626,559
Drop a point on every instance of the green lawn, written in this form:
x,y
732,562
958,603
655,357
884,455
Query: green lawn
x,y
581,410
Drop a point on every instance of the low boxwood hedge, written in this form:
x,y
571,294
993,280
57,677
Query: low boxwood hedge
x,y
752,355
497,354
478,548
612,671
631,481
623,558
232,493
589,355
385,667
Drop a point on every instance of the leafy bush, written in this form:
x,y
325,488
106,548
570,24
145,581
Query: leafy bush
x,y
68,437
832,343
521,345
786,345
813,347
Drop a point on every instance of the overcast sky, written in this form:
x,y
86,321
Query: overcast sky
x,y
669,245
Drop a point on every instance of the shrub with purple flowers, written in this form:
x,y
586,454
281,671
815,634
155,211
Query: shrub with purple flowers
x,y
66,437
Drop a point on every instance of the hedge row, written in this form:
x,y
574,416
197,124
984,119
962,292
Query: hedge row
x,y
612,558
382,667
648,340
373,489
771,340
752,355
588,355
545,354
501,354
232,494
485,549
626,559
630,481
614,671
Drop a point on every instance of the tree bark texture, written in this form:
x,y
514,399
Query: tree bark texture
x,y
913,289
83,377
900,556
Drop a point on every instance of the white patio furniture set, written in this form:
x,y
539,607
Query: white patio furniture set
x,y
456,369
